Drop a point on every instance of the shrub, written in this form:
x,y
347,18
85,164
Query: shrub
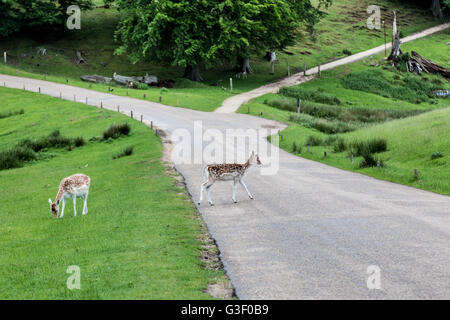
x,y
116,130
142,86
128,151
437,155
53,140
369,160
313,141
309,94
333,127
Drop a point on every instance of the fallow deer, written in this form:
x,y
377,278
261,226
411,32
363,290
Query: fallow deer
x,y
71,187
227,172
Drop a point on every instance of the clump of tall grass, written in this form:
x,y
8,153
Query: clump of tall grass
x,y
410,88
11,113
128,151
116,130
309,94
374,145
16,157
313,141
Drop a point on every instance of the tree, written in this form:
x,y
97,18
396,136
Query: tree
x,y
261,25
36,14
190,33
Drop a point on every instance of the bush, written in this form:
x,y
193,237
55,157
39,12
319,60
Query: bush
x,y
332,127
347,52
142,86
437,155
309,94
375,145
116,130
128,151
369,160
53,140
313,141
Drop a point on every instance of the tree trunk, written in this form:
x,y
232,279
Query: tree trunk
x,y
436,8
396,51
193,73
244,65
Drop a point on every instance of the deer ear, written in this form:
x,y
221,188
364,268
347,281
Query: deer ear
x,y
50,200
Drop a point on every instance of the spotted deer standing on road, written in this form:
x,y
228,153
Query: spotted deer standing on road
x,y
227,172
71,187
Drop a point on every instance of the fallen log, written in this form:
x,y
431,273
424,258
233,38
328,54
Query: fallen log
x,y
80,58
429,66
134,79
95,78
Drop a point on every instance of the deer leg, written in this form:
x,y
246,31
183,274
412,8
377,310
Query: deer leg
x,y
201,191
241,181
63,206
74,205
234,190
85,209
208,192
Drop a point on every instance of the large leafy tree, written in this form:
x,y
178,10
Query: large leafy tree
x,y
192,32
37,14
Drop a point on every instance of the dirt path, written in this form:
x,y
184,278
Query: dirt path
x,y
232,104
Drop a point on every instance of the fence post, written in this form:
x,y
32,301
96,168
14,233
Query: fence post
x,y
288,69
307,148
160,99
351,158
86,100
231,84
39,89
319,70
131,113
60,95
304,69
118,108
324,153
4,56
145,96
101,104
74,98
151,125
378,164
299,102
142,118
416,174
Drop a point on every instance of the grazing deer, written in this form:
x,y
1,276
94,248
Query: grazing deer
x,y
227,172
73,186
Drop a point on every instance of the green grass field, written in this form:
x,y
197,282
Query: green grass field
x,y
342,28
141,237
411,141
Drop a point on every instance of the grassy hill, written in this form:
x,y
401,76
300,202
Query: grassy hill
x,y
340,111
343,29
140,239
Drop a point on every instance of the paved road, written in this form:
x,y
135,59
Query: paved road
x,y
230,105
312,230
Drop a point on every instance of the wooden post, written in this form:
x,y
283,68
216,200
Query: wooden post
x,y
351,159
4,84
288,69
324,153
24,87
86,100
142,118
378,164
281,137
231,84
160,99
248,108
118,108
131,113
319,70
261,114
4,56
60,95
45,76
127,91
145,96
39,89
416,174
74,98
101,104
272,67
67,80
307,148
304,69
299,102
151,125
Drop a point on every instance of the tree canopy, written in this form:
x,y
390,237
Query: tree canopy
x,y
18,14
187,33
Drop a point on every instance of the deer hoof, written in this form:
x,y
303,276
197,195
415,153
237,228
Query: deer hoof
x,y
252,198
234,201
211,204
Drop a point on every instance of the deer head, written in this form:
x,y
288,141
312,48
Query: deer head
x,y
54,208
254,158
